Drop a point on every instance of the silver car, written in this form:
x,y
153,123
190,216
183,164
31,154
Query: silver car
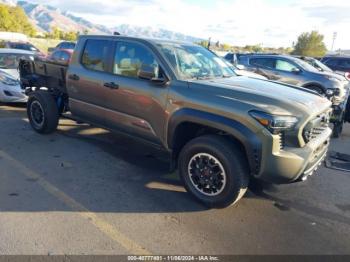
x,y
10,88
296,72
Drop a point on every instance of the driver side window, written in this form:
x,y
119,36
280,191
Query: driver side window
x,y
129,58
285,66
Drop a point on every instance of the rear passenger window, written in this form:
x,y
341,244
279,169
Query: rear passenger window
x,y
129,58
95,55
263,62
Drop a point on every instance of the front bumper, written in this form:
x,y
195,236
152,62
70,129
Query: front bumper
x,y
292,164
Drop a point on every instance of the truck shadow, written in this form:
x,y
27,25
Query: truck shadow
x,y
134,178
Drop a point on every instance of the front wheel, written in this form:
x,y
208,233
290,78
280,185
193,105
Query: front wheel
x,y
42,112
214,171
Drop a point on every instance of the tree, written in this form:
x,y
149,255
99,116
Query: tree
x,y
226,47
310,44
14,19
203,43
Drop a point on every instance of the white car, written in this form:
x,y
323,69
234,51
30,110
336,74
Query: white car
x,y
10,88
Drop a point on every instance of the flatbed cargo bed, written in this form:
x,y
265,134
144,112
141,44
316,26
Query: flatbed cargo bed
x,y
40,73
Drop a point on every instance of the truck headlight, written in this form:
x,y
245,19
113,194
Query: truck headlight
x,y
8,81
274,123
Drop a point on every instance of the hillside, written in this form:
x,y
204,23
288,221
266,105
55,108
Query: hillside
x,y
45,17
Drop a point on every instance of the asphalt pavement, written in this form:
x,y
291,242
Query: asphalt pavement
x,y
84,190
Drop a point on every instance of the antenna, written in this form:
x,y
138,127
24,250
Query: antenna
x,y
335,34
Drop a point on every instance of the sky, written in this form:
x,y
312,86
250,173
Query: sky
x,y
271,23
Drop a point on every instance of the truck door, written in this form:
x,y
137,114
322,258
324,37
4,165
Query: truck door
x,y
85,81
136,106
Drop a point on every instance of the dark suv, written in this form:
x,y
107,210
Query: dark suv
x,y
294,71
339,64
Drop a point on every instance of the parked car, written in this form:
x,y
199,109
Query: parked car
x,y
10,88
315,63
339,64
220,130
240,71
62,56
21,46
294,71
66,45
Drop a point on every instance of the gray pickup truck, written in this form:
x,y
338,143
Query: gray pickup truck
x,y
221,130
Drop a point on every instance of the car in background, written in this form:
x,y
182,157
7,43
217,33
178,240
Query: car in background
x,y
10,88
62,57
340,64
232,60
294,71
240,71
315,63
21,46
66,45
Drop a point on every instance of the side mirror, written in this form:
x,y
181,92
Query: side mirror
x,y
147,72
151,73
296,71
50,49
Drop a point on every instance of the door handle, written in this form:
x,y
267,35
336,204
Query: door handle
x,y
74,77
111,85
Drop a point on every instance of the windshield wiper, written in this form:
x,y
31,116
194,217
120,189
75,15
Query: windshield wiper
x,y
203,77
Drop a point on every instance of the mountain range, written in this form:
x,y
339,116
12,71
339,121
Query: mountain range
x,y
45,17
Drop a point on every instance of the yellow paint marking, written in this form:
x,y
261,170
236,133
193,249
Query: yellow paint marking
x,y
99,223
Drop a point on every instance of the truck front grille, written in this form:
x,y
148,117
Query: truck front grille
x,y
316,126
282,140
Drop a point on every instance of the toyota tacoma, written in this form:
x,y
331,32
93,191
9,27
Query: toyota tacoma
x,y
221,130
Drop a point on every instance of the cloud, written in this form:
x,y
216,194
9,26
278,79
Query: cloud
x,y
330,14
238,22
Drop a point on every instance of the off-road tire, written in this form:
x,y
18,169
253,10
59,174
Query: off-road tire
x,y
42,103
231,159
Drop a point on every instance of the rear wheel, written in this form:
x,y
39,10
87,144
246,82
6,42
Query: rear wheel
x,y
42,112
214,171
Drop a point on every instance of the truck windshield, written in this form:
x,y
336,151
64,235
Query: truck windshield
x,y
195,62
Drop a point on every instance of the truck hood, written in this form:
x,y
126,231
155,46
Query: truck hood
x,y
271,97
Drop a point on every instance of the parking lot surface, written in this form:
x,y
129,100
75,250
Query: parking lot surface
x,y
83,190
